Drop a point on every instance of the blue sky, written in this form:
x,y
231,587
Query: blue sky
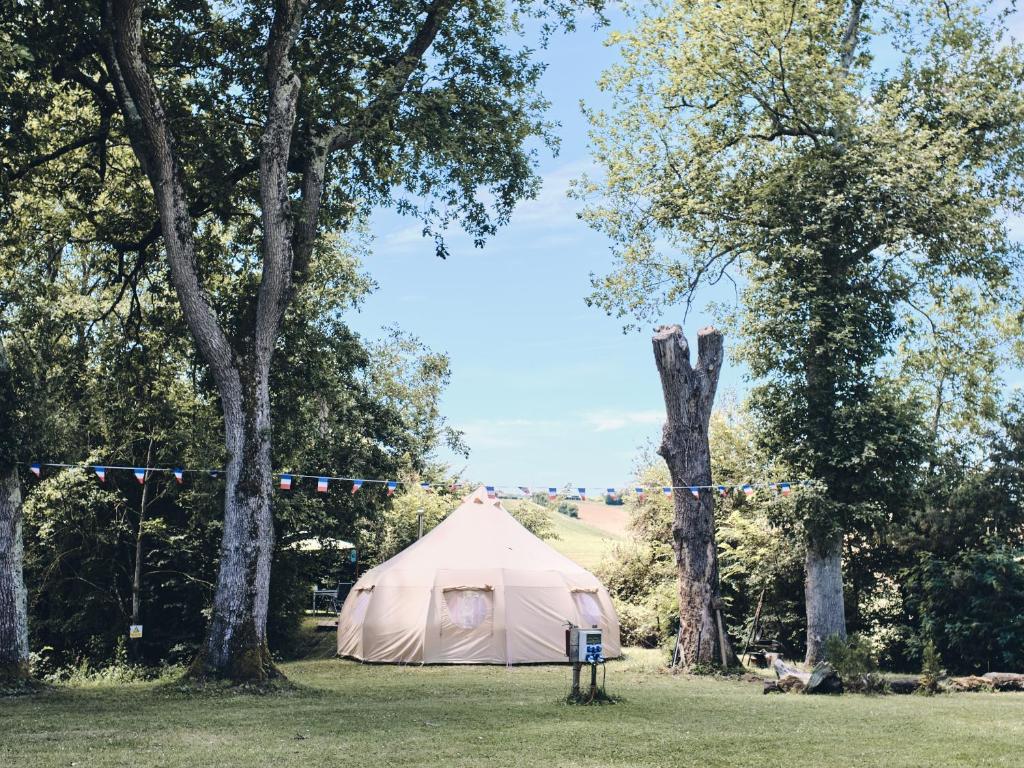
x,y
547,390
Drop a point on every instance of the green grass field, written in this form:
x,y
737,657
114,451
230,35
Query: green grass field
x,y
346,714
580,542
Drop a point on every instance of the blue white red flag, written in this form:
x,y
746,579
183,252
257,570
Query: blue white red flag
x,y
425,486
179,475
723,490
695,491
525,490
639,492
748,489
37,469
667,490
552,494
582,492
392,484
611,493
490,492
101,473
356,485
321,485
140,474
286,482
785,489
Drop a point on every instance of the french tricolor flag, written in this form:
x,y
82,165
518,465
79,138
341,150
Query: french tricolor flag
x,y
321,485
140,475
490,492
639,493
36,469
101,473
286,482
582,492
525,490
425,486
667,490
392,484
356,485
179,475
784,489
552,494
611,493
695,491
748,489
723,490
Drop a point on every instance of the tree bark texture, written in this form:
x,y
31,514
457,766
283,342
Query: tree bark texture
x,y
13,596
689,395
823,592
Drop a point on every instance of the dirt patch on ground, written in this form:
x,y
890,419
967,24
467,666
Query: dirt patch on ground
x,y
612,519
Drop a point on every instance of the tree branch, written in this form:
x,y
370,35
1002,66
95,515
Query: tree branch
x,y
395,79
848,43
152,142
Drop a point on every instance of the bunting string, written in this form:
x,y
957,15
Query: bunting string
x,y
287,480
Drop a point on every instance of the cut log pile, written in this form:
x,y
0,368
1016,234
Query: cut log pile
x,y
824,679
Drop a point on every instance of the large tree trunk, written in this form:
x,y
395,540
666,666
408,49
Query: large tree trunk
x,y
689,396
13,597
236,642
823,596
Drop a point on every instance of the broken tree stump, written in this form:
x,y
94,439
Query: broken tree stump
x,y
821,679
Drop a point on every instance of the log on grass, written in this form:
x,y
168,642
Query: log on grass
x,y
1005,681
970,684
904,685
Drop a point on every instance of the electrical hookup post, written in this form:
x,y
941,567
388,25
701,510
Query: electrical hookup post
x,y
585,647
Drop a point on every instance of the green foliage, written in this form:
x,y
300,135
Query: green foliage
x,y
971,607
641,579
569,509
931,670
534,518
101,375
855,661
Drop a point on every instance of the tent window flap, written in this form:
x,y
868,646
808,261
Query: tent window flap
x,y
588,608
468,608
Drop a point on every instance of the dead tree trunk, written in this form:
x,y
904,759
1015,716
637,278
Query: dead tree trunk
x,y
823,596
689,395
13,596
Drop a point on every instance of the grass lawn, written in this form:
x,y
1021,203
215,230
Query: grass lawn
x,y
346,714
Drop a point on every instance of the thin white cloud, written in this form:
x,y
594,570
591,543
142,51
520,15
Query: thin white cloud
x,y
608,420
508,433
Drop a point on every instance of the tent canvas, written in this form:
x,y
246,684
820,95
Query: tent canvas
x,y
477,589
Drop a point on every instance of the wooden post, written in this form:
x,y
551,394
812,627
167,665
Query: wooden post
x,y
753,626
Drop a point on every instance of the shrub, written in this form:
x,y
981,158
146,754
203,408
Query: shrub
x,y
569,509
855,662
931,670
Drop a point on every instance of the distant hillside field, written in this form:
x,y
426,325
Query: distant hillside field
x,y
609,518
579,541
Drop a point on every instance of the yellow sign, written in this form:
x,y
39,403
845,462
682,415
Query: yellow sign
x,y
135,631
